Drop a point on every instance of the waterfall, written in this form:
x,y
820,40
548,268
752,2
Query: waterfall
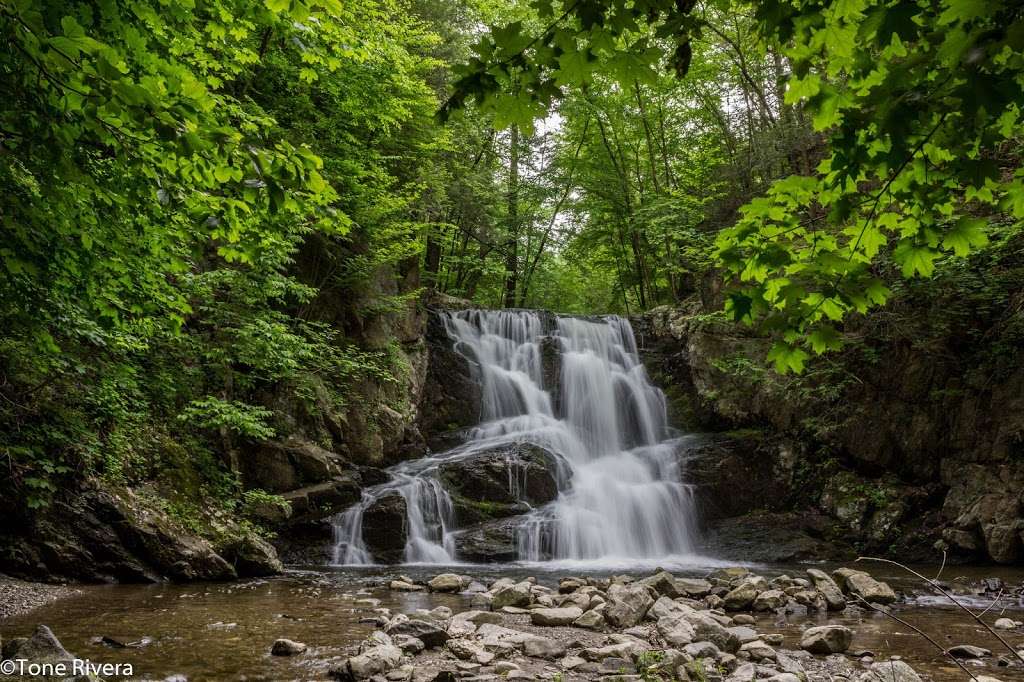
x,y
620,490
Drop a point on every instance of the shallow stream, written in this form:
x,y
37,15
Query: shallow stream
x,y
224,631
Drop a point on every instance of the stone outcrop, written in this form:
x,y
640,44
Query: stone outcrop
x,y
384,527
98,535
900,449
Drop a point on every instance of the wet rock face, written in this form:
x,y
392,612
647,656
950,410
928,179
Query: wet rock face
x,y
451,398
508,474
97,536
385,527
920,418
491,541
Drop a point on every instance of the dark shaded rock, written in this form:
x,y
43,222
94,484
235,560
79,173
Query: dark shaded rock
x,y
451,398
323,499
252,557
737,473
507,474
94,535
430,634
551,369
280,466
385,527
491,541
774,538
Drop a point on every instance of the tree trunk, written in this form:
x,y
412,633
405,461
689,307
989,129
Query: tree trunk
x,y
511,254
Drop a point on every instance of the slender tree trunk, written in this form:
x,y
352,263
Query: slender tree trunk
x,y
511,254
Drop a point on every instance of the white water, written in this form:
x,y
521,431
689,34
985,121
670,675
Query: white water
x,y
621,499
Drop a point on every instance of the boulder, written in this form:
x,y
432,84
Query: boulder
x,y
556,616
769,600
591,620
518,595
663,583
968,651
890,671
758,650
287,647
506,474
252,557
445,582
429,633
694,588
627,604
826,639
828,588
491,541
375,660
862,585
41,647
741,597
544,647
469,651
385,527
409,644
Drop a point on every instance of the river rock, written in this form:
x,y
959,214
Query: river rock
x,y
890,671
373,661
769,600
627,604
385,528
409,644
556,616
429,633
826,639
445,582
968,651
758,650
741,597
676,630
694,588
543,647
591,620
518,595
1005,624
41,647
478,617
469,651
403,586
663,583
701,650
287,647
870,590
834,598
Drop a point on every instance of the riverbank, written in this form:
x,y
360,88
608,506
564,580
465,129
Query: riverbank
x,y
19,597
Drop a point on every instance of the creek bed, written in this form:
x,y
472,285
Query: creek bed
x,y
223,631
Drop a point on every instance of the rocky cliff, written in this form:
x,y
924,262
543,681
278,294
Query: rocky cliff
x,y
907,443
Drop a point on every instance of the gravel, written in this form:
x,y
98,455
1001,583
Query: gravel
x,y
18,597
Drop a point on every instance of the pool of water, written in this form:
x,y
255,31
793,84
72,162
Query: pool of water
x,y
224,631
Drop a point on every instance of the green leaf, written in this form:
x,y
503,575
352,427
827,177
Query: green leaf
x,y
823,339
915,259
966,234
787,358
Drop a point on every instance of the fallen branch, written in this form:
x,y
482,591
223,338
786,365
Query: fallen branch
x,y
943,650
953,599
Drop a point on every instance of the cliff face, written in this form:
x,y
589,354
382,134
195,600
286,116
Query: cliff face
x,y
908,442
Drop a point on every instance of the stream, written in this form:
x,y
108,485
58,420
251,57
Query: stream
x,y
224,631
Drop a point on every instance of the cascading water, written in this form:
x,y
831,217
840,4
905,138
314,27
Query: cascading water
x,y
620,494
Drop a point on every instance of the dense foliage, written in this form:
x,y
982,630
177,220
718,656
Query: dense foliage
x,y
213,207
165,165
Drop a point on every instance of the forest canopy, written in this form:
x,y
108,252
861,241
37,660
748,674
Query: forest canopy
x,y
209,202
